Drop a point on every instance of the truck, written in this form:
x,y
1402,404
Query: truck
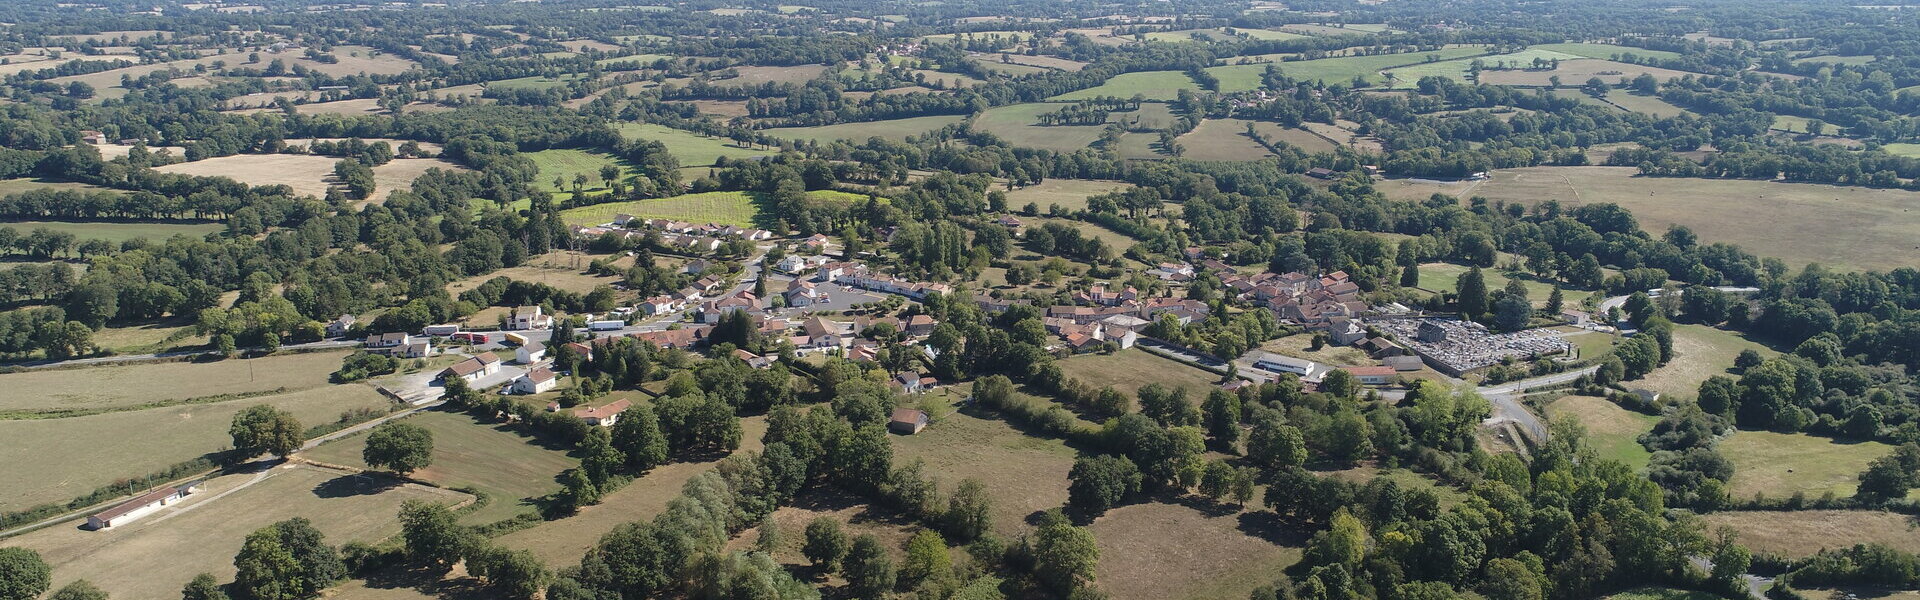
x,y
471,337
608,325
516,339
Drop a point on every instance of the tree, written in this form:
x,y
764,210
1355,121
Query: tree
x,y
870,572
432,533
1410,275
400,447
288,560
926,559
1101,483
826,544
1222,411
637,436
23,575
1511,313
1556,300
1344,542
1339,384
1510,579
203,587
80,589
1275,444
515,573
1472,291
969,511
1892,476
1064,556
263,428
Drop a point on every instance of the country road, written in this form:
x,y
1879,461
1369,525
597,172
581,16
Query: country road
x,y
1507,407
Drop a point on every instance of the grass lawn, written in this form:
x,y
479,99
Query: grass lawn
x,y
1592,344
1339,69
53,460
510,468
123,386
1154,85
1800,533
1023,474
692,149
895,129
1128,370
734,208
1702,352
1070,194
1161,551
1613,432
1301,346
155,556
1779,464
117,232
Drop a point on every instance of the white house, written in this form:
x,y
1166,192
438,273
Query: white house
x,y
418,348
380,341
529,317
535,381
338,327
604,416
530,352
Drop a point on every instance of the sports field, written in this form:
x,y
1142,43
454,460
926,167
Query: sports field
x,y
510,468
895,129
1154,85
1837,226
691,149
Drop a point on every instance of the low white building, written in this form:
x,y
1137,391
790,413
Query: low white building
x,y
139,506
530,352
538,380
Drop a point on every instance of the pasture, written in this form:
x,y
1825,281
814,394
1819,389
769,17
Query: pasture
x,y
10,187
564,165
894,129
1459,69
1023,474
1069,194
1153,85
1340,69
119,387
691,149
57,459
509,467
1904,149
732,208
1781,464
753,76
1839,227
1605,51
1221,139
1150,115
307,174
203,533
117,232
1702,352
1651,105
1612,432
1445,277
1576,72
1018,124
1305,140
1800,533
1194,549
1128,370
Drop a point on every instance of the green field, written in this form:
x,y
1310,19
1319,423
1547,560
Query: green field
x,y
1128,370
1444,277
1907,150
511,469
1268,34
15,186
1341,69
1851,61
1657,593
1070,194
732,208
1651,105
1613,432
1605,51
1702,352
565,164
1023,474
1016,123
117,232
120,387
1221,139
691,149
1409,76
1154,85
535,82
1780,464
896,129
641,60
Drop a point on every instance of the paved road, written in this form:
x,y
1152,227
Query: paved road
x,y
1507,407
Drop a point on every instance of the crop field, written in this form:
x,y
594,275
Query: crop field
x,y
1612,431
124,386
1023,474
307,174
1153,85
1576,72
1341,69
733,208
1780,464
1800,533
117,232
1406,77
1605,51
1702,352
1160,551
203,533
562,542
1018,124
1840,227
509,467
1128,370
57,459
894,129
1221,139
1070,194
692,149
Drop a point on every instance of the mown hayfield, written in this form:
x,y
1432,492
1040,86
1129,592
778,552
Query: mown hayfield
x,y
1159,551
1340,69
307,174
1800,533
123,386
1406,77
1651,105
1221,139
510,468
1605,51
202,534
1780,464
753,76
117,232
1024,474
1576,72
1153,85
562,542
571,279
1702,352
1613,432
53,460
1070,194
1837,226
894,129
692,149
1018,124
734,208
1128,370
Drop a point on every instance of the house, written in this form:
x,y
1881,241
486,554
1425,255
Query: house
x,y
473,368
822,333
140,506
918,325
912,383
697,266
538,380
380,341
1371,375
604,416
1379,347
530,352
1345,332
579,350
997,305
816,242
795,264
339,327
418,348
711,312
907,421
93,137
1269,361
659,305
1646,395
753,360
1322,173
801,292
441,330
1576,318
1120,336
528,317
623,220
1008,221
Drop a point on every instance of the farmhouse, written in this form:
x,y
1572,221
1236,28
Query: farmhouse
x,y
754,360
538,380
912,383
907,421
604,416
418,348
801,292
674,338
143,505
